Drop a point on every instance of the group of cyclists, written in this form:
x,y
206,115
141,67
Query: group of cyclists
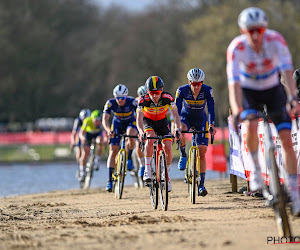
x,y
153,112
254,61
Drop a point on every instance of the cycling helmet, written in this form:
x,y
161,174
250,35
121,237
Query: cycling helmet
x,y
252,17
84,113
120,90
154,83
96,114
141,91
195,75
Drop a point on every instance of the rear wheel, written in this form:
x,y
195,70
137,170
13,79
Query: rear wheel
x,y
120,174
163,180
276,190
193,175
89,172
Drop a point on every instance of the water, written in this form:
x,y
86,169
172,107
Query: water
x,y
17,179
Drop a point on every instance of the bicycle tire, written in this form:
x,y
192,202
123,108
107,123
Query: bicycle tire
x,y
89,172
193,175
121,170
153,186
163,180
279,206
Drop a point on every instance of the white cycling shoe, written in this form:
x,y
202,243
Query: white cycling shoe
x,y
147,176
256,181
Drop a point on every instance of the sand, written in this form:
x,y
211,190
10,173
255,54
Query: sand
x,y
94,219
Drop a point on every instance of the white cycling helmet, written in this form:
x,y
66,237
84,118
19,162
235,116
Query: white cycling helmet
x,y
84,113
120,90
195,75
141,91
252,17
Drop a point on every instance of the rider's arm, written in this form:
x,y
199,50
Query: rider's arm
x,y
176,116
105,122
211,107
139,120
235,97
82,135
178,100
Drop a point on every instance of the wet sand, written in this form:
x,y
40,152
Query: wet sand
x,y
94,219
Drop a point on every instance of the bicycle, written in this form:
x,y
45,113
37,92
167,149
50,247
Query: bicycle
x,y
86,183
276,194
121,167
192,171
159,171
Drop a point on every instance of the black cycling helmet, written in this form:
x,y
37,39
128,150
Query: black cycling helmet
x,y
154,83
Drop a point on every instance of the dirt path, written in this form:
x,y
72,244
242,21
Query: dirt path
x,y
76,219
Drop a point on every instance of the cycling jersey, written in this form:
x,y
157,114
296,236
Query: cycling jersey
x,y
89,127
156,111
121,113
77,124
258,71
195,109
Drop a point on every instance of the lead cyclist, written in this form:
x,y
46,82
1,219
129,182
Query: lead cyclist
x,y
253,61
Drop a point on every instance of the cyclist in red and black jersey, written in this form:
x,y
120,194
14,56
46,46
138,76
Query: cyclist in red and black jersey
x,y
151,119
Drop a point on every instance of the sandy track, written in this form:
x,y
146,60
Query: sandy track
x,y
94,219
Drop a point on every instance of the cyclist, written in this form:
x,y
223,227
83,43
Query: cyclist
x,y
123,107
75,140
140,92
151,119
253,61
91,129
191,100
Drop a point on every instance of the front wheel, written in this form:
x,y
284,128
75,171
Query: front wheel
x,y
121,172
277,192
89,172
163,180
193,176
153,186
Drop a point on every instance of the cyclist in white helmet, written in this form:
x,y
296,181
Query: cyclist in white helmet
x,y
254,61
123,108
192,100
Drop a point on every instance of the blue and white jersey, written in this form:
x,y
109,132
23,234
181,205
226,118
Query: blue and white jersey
x,y
195,108
121,113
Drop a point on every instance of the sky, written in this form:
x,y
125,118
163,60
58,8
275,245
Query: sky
x,y
133,5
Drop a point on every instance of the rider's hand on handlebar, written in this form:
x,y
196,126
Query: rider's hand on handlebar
x,y
177,133
212,129
111,133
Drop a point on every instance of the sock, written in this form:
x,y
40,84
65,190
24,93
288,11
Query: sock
x,y
81,168
110,172
202,179
182,151
141,162
148,164
97,158
254,156
129,154
168,168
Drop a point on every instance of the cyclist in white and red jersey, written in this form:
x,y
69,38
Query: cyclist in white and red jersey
x,y
254,61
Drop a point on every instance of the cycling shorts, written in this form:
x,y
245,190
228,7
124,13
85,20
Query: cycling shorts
x,y
275,100
89,137
120,128
199,124
160,127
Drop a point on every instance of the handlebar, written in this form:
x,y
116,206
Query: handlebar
x,y
194,132
160,138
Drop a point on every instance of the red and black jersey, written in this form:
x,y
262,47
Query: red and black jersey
x,y
156,111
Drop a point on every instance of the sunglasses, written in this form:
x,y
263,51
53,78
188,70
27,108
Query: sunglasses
x,y
256,30
121,98
196,83
155,92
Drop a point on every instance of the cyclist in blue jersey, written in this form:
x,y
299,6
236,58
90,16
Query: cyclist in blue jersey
x,y
191,100
123,107
75,140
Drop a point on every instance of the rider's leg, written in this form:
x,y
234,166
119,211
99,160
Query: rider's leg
x,y
85,150
148,152
290,161
131,142
182,160
256,182
111,161
167,147
140,157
